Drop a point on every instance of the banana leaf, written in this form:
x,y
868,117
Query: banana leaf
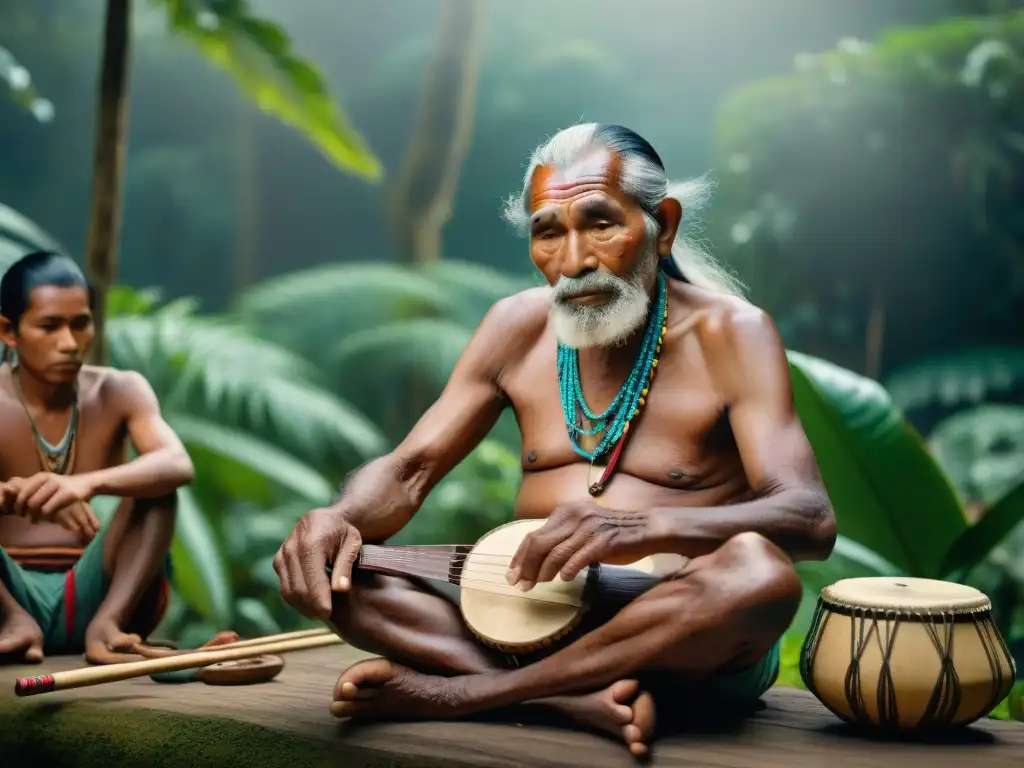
x,y
888,493
258,55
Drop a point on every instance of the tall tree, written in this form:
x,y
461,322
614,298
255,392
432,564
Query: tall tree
x,y
421,199
108,164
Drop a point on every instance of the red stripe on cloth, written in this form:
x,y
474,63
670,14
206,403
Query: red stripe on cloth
x,y
45,558
69,603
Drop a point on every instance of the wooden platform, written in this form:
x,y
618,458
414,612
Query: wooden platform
x,y
286,722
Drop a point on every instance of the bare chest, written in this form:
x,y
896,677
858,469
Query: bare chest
x,y
99,440
680,440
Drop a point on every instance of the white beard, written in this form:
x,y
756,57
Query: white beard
x,y
613,323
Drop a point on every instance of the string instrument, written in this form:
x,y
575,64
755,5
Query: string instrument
x,y
905,654
502,616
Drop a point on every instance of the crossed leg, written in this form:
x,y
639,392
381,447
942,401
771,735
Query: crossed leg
x,y
114,590
721,613
122,599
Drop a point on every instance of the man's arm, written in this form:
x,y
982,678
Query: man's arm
x,y
162,466
748,365
381,497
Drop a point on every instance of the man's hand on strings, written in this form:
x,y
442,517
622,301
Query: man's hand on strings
x,y
322,536
577,535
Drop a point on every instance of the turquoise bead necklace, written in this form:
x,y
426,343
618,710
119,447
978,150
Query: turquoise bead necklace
x,y
614,421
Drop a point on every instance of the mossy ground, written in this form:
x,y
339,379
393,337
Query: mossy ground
x,y
83,735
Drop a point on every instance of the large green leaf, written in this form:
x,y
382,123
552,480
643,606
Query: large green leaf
x,y
976,542
887,491
200,573
258,55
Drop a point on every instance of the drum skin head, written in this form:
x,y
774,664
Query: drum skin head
x,y
904,592
258,669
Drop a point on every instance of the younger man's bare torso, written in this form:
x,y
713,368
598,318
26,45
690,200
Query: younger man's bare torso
x,y
101,443
681,451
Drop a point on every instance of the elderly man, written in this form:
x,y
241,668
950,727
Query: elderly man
x,y
706,460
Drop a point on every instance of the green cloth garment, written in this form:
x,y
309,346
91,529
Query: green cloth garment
x,y
63,603
748,685
738,689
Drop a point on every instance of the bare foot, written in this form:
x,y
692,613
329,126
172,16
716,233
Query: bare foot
x,y
621,709
105,643
21,639
382,690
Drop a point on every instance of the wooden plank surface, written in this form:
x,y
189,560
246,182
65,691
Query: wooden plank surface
x,y
792,730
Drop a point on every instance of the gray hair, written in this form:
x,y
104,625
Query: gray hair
x,y
643,180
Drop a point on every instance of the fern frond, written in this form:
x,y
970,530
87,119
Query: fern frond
x,y
258,455
220,371
426,346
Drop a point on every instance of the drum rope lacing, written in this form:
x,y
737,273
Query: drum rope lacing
x,y
946,696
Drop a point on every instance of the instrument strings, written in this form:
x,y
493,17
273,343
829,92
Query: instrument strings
x,y
449,563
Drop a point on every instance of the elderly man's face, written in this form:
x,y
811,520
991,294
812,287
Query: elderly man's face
x,y
582,222
590,242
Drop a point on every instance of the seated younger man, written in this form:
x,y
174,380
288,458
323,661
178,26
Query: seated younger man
x,y
67,583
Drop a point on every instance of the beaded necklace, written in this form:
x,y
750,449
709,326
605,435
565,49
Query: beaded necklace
x,y
614,421
58,459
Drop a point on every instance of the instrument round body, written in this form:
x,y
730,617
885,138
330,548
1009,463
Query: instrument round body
x,y
905,654
258,669
504,617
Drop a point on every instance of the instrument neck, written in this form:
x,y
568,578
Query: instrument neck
x,y
609,585
428,562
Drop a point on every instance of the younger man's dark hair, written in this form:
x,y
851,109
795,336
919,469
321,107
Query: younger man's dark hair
x,y
32,271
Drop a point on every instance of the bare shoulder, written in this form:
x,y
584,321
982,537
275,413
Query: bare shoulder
x,y
739,342
724,324
509,330
117,389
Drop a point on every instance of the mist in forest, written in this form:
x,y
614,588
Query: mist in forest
x,y
209,174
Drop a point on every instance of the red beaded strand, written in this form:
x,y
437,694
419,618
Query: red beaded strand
x,y
598,488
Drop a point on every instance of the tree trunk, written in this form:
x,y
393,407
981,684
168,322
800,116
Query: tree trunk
x,y
108,166
422,197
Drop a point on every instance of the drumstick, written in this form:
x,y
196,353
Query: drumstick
x,y
161,653
78,678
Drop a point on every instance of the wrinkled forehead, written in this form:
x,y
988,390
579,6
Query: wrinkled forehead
x,y
598,171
